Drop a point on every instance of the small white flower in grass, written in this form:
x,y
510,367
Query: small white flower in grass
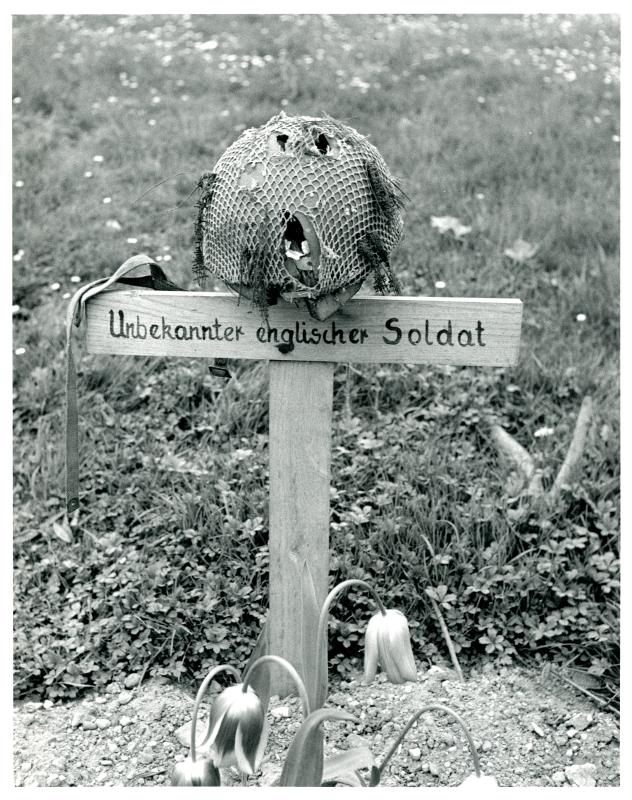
x,y
17,100
597,120
65,295
132,240
20,351
107,200
87,174
184,98
151,122
166,247
543,432
98,159
616,138
445,224
521,251
19,255
166,257
55,287
581,318
19,184
75,279
480,99
156,100
114,224
387,643
112,99
211,44
15,308
480,196
439,284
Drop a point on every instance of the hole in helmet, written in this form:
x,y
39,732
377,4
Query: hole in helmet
x,y
278,144
301,248
322,144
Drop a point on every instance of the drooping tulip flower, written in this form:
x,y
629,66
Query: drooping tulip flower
x,y
201,772
387,643
238,729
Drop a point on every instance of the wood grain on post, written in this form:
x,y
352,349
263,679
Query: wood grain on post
x,y
301,399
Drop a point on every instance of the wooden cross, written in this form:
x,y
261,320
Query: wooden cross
x,y
302,353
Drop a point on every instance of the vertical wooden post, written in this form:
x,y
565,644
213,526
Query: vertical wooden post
x,y
301,398
409,330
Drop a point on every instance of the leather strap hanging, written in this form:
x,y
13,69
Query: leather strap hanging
x,y
156,279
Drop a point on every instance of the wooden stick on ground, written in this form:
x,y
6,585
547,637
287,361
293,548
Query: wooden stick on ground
x,y
517,458
515,455
448,639
511,451
576,448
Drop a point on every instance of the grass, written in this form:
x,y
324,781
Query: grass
x,y
509,123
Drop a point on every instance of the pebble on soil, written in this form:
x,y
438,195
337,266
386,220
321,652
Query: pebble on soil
x,y
528,732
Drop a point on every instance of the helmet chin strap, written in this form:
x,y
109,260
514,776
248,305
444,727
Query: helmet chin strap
x,y
156,279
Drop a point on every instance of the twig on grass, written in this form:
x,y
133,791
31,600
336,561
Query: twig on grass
x,y
579,688
439,615
576,449
149,774
515,455
511,451
448,639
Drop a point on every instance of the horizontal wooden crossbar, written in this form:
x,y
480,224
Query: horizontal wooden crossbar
x,y
422,330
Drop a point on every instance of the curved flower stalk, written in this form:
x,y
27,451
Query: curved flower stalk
x,y
387,641
238,728
203,771
282,662
477,778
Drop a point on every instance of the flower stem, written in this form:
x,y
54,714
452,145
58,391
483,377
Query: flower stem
x,y
302,691
200,695
415,717
321,634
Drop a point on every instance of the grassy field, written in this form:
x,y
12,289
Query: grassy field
x,y
511,125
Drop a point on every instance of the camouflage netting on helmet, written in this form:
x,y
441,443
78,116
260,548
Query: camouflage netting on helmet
x,y
301,208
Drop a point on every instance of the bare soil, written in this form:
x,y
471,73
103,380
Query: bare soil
x,y
528,732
